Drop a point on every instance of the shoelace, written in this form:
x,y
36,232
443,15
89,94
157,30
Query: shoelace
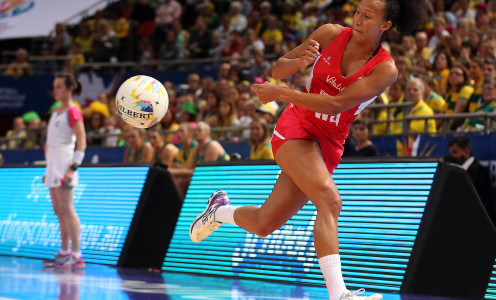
x,y
353,294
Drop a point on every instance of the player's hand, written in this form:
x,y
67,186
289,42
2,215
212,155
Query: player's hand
x,y
310,54
43,179
69,175
266,92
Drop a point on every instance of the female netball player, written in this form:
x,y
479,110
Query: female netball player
x,y
65,131
349,72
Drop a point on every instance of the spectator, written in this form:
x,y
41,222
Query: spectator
x,y
233,45
100,105
137,148
252,42
170,50
266,111
207,149
464,27
46,65
476,77
488,98
441,66
238,20
272,36
226,117
60,39
21,66
194,86
461,10
489,67
259,65
143,13
36,130
247,115
104,43
166,13
422,51
16,137
363,146
460,149
164,153
224,29
414,93
260,140
210,15
1,160
397,95
209,107
185,157
84,38
440,32
182,37
433,99
188,110
111,132
200,40
75,58
459,91
96,125
169,125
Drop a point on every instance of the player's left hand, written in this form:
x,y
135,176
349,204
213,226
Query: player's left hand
x,y
267,91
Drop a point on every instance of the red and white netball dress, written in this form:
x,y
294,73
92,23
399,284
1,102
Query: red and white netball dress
x,y
297,122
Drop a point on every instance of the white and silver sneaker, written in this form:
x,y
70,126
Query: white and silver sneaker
x,y
347,295
205,223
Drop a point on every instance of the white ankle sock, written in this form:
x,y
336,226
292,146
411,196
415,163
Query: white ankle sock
x,y
330,266
77,254
225,214
64,252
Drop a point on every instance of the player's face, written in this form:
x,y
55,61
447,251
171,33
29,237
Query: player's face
x,y
368,20
60,91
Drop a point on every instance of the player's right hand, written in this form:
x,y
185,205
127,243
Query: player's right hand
x,y
310,54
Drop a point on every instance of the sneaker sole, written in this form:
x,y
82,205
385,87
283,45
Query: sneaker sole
x,y
209,204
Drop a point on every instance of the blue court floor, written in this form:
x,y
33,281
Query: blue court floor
x,y
25,278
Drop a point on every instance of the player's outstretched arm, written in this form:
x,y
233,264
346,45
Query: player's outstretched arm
x,y
360,91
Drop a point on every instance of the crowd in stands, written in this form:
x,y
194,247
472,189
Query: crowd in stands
x,y
448,66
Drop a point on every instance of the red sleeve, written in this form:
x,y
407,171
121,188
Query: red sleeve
x,y
74,115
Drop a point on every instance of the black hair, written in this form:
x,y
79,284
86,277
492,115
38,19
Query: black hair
x,y
71,81
405,14
462,142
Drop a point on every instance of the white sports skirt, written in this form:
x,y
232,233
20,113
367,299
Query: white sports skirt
x,y
56,169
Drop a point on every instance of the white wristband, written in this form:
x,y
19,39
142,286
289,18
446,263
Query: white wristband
x,y
78,157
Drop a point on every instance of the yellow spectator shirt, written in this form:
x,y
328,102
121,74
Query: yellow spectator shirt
x,y
436,102
272,35
463,94
418,126
261,152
